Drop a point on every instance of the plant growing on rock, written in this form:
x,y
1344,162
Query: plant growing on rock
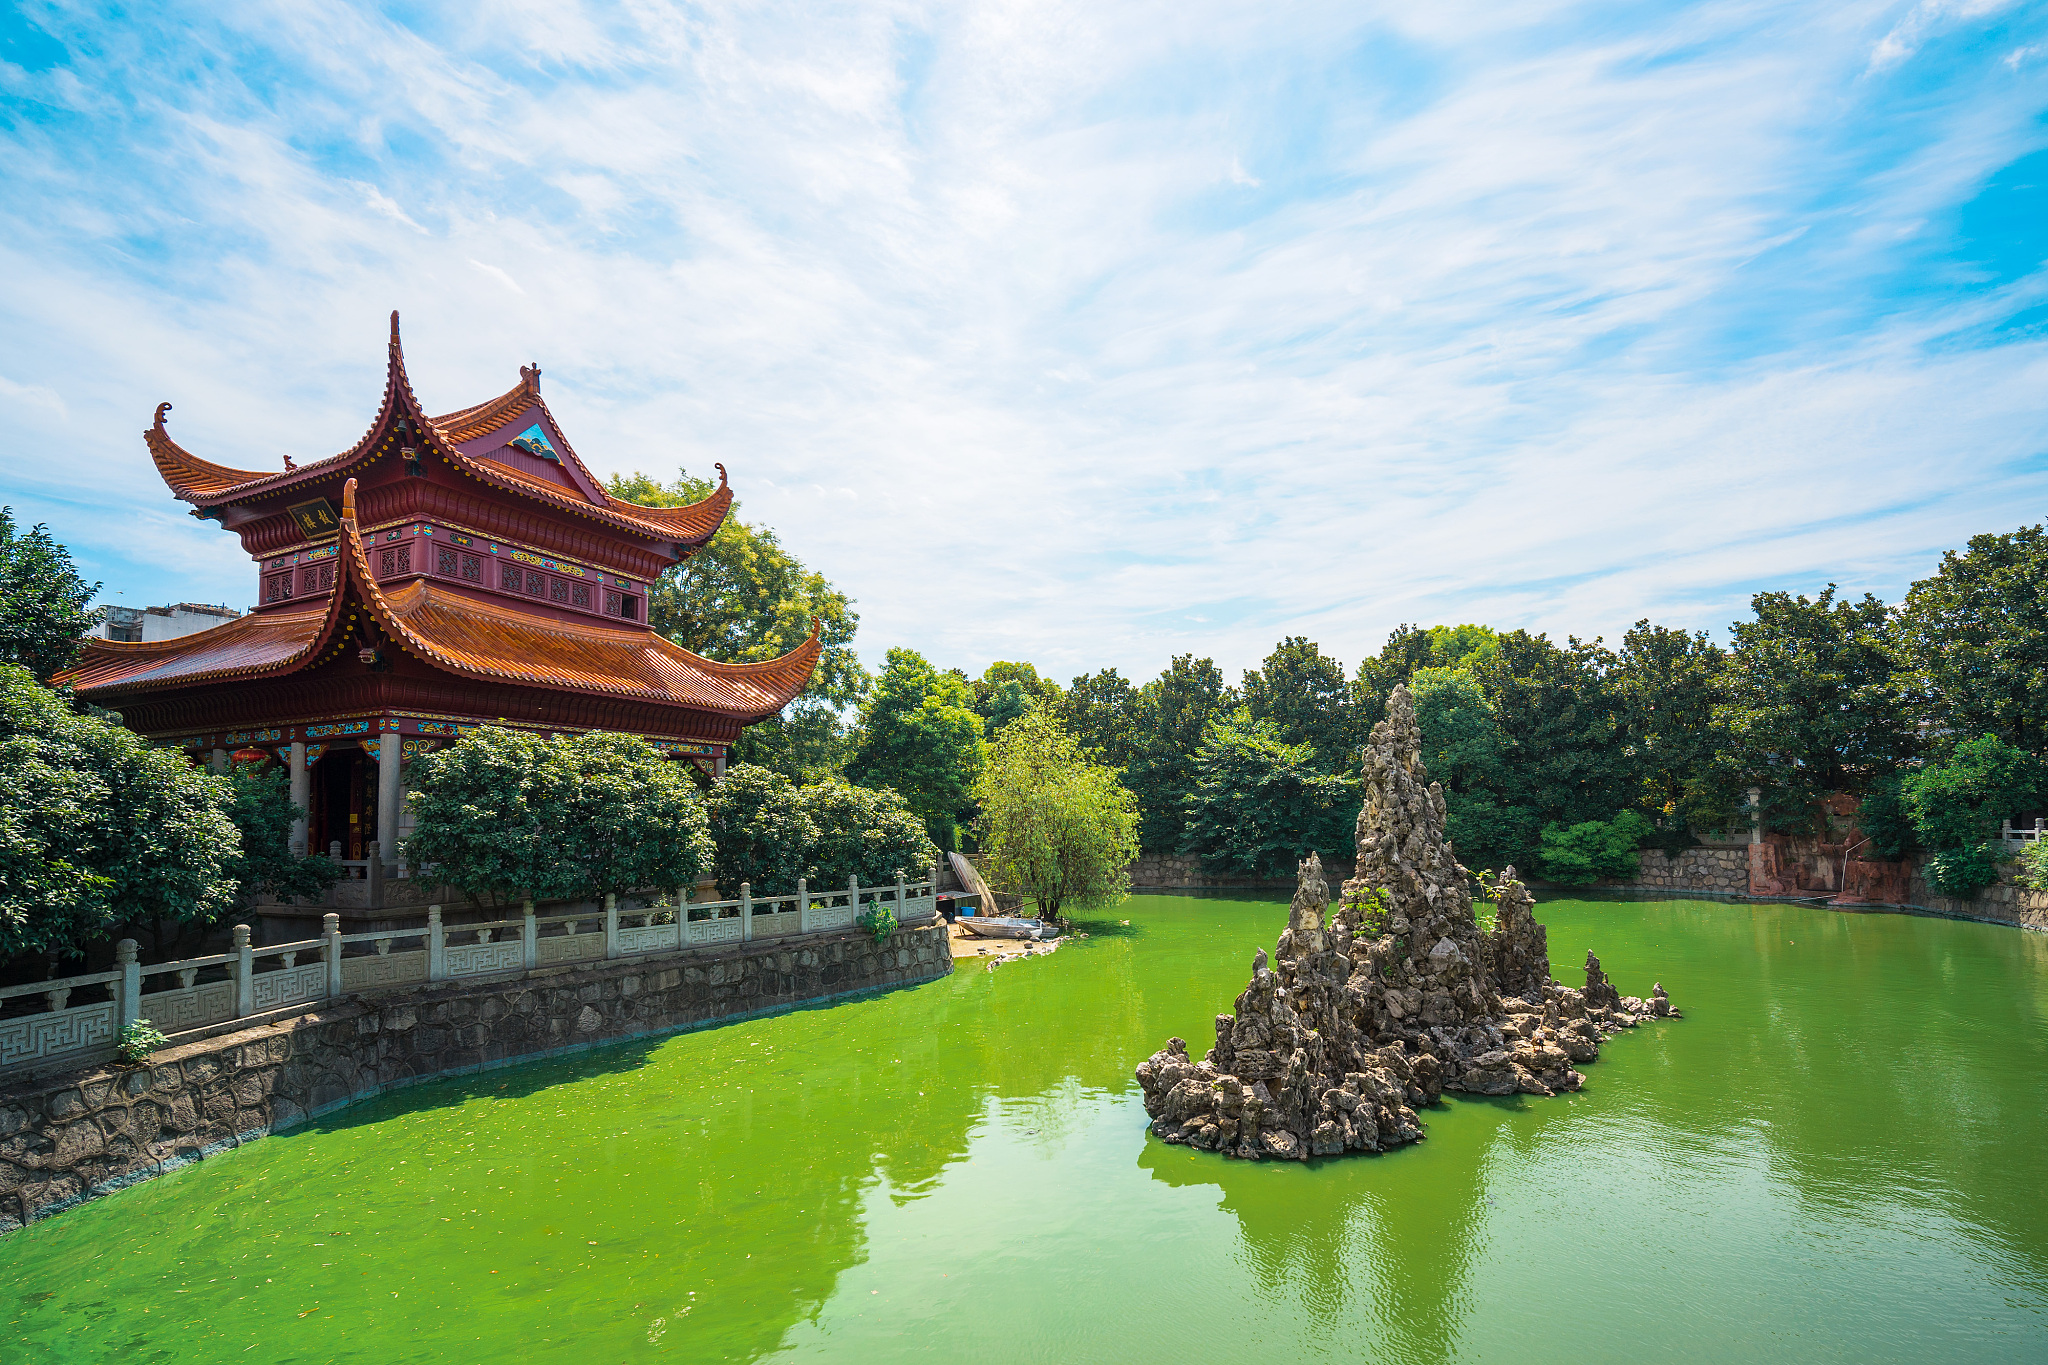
x,y
138,1040
879,920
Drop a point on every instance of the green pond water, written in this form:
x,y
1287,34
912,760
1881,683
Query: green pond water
x,y
1840,1154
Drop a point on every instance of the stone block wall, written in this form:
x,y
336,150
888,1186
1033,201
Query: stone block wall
x,y
2006,903
1182,871
71,1137
1719,869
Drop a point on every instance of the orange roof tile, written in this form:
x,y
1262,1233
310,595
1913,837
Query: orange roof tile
x,y
249,646
204,483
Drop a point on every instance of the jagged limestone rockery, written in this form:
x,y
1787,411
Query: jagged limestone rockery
x,y
1363,1017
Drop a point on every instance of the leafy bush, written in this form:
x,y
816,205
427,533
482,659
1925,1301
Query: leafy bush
x,y
879,920
872,836
1960,801
262,810
760,830
1962,872
2034,866
97,828
138,1040
504,814
1578,854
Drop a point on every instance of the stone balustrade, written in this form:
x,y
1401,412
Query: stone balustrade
x,y
250,983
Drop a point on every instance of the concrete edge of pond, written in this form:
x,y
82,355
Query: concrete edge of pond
x,y
70,1138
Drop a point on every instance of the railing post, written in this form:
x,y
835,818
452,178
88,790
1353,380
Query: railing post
x,y
245,968
437,946
330,950
529,934
901,911
853,895
375,873
803,906
746,912
611,925
128,1006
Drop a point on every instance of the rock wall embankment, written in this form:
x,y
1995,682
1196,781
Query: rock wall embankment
x,y
71,1137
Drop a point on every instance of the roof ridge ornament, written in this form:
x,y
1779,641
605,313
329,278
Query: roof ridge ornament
x,y
721,474
529,377
348,502
394,327
161,409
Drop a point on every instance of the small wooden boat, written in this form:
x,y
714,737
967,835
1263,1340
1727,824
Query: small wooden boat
x,y
991,926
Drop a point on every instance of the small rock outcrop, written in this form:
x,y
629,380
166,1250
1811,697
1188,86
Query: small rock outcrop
x,y
1362,1017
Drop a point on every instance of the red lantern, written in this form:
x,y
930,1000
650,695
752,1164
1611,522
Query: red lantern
x,y
249,756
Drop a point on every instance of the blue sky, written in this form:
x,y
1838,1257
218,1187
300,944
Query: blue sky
x,y
1087,334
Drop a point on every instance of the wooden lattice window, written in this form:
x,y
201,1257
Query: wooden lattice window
x,y
277,587
405,559
473,568
579,595
387,564
558,589
611,604
444,561
508,577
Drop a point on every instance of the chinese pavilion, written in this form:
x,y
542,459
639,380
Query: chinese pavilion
x,y
440,574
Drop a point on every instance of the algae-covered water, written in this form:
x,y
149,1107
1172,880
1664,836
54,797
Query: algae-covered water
x,y
1841,1154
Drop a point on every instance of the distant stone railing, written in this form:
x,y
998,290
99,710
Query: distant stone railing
x,y
249,983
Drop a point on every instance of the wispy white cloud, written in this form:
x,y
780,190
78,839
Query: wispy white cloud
x,y
1512,314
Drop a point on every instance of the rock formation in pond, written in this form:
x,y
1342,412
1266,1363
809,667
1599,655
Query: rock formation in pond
x,y
1363,1017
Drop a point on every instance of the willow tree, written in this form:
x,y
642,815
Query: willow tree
x,y
1059,827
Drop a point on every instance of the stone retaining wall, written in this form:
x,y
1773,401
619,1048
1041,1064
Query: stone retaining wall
x,y
68,1138
1183,871
1722,870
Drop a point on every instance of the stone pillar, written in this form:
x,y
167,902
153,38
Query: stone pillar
x,y
301,797
718,767
611,925
746,914
245,989
390,752
1756,815
130,985
437,945
529,936
330,952
219,765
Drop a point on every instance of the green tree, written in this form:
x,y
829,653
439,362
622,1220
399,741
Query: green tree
x,y
43,616
870,835
1973,641
1103,711
99,830
1174,711
1957,805
490,813
1462,646
1575,855
1408,648
632,820
1006,691
1809,707
264,864
760,830
1463,748
921,737
1302,693
1561,763
744,598
1260,804
1054,823
1665,684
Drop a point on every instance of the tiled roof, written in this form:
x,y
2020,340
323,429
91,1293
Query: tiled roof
x,y
256,645
457,634
203,483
